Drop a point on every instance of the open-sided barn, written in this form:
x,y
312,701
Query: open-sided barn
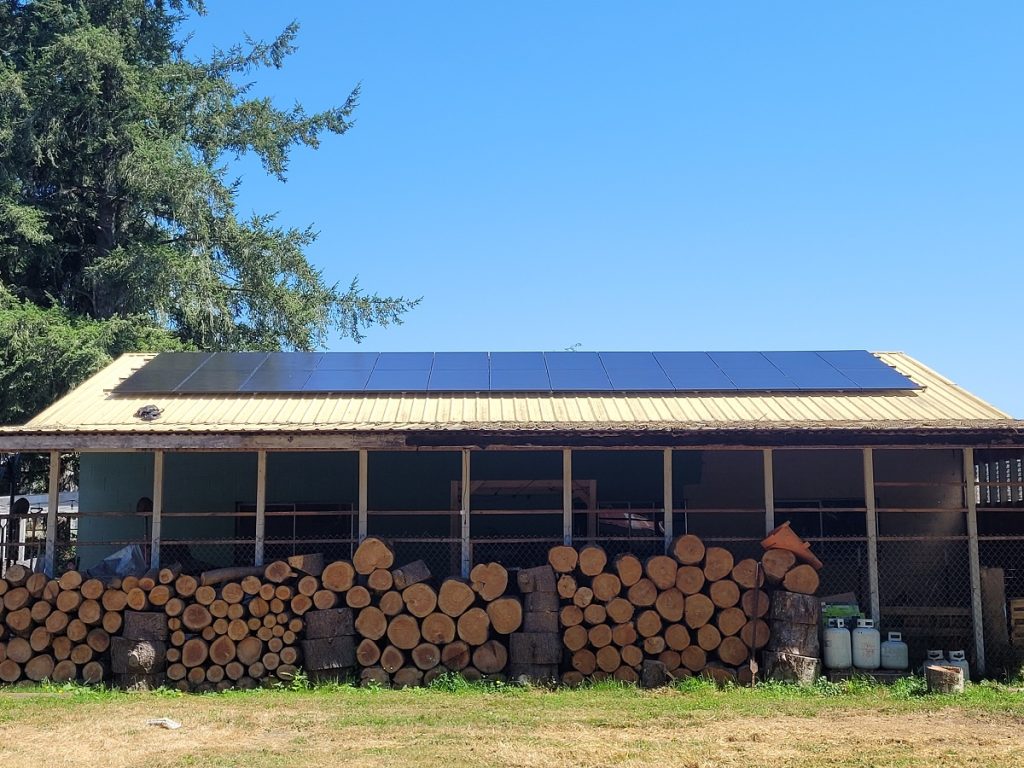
x,y
909,488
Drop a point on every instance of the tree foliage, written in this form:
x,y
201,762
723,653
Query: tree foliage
x,y
118,216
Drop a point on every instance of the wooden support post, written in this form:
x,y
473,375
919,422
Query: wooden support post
x,y
872,531
467,555
158,509
364,470
769,490
567,496
666,497
977,617
261,504
52,502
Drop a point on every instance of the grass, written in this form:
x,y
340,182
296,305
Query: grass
x,y
454,724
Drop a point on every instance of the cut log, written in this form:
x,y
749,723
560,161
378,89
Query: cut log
x,y
339,576
380,580
595,613
572,678
205,595
40,610
776,563
231,593
535,648
220,575
64,671
392,659
642,594
278,572
10,671
677,637
698,611
67,601
437,628
249,650
688,549
791,668
76,630
323,653
489,580
143,657
17,574
194,652
541,601
98,639
718,563
219,608
456,655
169,573
91,589
799,639
112,621
624,634
730,621
566,586
626,674
802,579
195,617
372,553
324,599
367,653
372,623
606,586
300,604
654,674
426,656
420,599
632,655
19,621
237,630
39,667
357,597
783,537
473,626
755,603
693,658
708,637
39,640
670,659
114,600
454,597
583,597
608,658
748,574
794,608
629,569
755,634
584,661
93,672
411,573
489,658
159,595
19,649
733,651
661,569
670,605
404,631
539,579
724,593
592,560
620,610
407,677
944,679
148,625
648,623
56,621
571,615
311,565
375,676
574,638
185,585
563,559
506,616
599,636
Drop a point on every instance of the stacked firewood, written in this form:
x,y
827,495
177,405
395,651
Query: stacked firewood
x,y
411,631
696,611
56,629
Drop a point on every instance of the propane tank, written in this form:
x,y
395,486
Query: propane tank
x,y
838,648
866,645
934,657
894,652
959,659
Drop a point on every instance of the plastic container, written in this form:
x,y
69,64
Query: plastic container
x,y
934,657
959,659
894,652
866,641
838,645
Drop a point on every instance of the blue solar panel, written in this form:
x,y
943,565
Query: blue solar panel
x,y
853,370
520,381
397,380
459,381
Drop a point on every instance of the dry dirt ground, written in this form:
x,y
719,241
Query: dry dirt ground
x,y
532,728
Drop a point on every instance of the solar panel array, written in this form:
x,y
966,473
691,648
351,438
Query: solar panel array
x,y
291,372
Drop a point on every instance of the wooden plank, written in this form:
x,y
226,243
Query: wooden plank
x,y
567,496
666,497
871,520
261,505
364,471
52,503
977,614
769,490
464,515
158,509
993,604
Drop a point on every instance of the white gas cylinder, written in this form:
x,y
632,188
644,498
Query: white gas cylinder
x,y
894,652
866,645
959,659
838,648
934,657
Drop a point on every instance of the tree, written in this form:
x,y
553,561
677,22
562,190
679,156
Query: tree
x,y
118,218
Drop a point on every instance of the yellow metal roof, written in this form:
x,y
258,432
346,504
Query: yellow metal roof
x,y
94,408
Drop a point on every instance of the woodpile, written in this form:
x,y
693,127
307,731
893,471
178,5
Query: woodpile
x,y
696,611
410,629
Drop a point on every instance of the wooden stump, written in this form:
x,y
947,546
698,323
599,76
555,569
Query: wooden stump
x,y
791,668
944,679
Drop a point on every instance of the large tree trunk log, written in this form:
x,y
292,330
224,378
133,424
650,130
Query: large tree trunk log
x,y
137,656
794,608
801,639
535,648
329,653
539,579
145,626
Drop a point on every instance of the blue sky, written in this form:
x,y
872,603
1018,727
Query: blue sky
x,y
666,175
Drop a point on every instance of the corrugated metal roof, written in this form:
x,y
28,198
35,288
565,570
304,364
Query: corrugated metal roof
x,y
93,408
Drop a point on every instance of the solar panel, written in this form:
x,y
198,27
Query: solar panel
x,y
282,372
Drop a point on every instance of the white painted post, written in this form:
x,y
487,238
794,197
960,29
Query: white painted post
x,y
567,496
364,465
261,505
467,555
158,509
769,489
977,618
872,531
666,497
52,501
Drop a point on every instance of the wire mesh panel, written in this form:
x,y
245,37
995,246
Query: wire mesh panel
x,y
442,555
202,540
429,535
22,535
303,529
84,539
845,567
